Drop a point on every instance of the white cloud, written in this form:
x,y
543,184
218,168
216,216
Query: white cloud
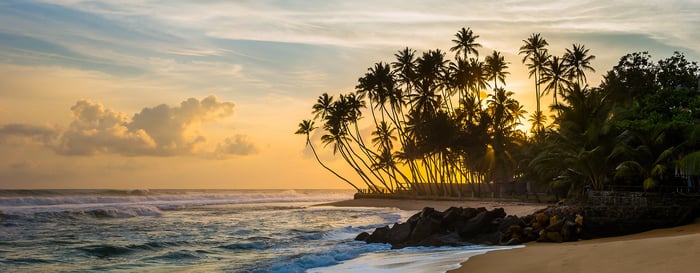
x,y
236,145
162,130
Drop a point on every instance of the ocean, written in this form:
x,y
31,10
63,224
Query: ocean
x,y
202,231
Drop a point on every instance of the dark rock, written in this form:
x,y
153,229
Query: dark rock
x,y
449,239
424,228
513,241
555,226
491,238
379,235
450,218
362,236
508,222
568,231
468,213
399,233
550,236
476,225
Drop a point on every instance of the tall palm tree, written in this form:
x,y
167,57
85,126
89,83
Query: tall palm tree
x,y
496,66
405,67
535,51
465,43
555,78
538,120
578,61
323,106
480,77
305,128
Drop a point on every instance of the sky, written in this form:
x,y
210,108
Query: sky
x,y
136,94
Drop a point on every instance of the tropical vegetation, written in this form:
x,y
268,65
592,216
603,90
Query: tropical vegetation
x,y
450,127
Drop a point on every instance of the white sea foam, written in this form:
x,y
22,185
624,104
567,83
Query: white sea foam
x,y
409,260
131,203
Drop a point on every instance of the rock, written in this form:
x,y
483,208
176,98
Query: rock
x,y
379,235
508,222
477,224
513,241
549,236
541,220
450,217
399,233
491,238
468,213
424,228
362,236
568,231
449,239
555,226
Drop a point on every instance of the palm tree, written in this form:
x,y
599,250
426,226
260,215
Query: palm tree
x,y
538,120
384,136
480,77
577,61
554,77
323,106
305,128
496,67
535,51
465,43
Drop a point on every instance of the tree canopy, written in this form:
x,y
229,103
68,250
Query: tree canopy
x,y
437,133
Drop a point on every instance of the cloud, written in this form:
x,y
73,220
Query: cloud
x,y
157,131
236,145
42,134
162,130
96,129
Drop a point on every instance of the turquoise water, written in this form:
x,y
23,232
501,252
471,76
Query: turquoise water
x,y
196,231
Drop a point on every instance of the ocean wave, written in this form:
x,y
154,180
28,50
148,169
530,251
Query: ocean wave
x,y
130,203
303,262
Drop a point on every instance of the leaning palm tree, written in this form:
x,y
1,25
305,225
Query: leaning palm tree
x,y
305,128
535,51
555,78
577,61
465,43
496,66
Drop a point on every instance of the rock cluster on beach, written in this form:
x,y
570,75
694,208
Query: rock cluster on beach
x,y
464,226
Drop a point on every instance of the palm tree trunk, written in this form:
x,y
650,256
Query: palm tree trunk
x,y
308,141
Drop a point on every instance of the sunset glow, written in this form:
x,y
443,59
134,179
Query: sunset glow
x,y
194,94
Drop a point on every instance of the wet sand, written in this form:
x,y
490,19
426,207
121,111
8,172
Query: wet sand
x,y
663,250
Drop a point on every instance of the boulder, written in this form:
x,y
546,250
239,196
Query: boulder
x,y
424,228
379,235
399,233
478,224
450,218
568,231
362,236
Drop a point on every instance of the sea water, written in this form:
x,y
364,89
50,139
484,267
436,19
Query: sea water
x,y
202,231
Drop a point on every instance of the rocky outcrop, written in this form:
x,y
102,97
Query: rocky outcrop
x,y
464,226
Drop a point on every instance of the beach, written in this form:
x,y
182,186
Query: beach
x,y
512,208
662,250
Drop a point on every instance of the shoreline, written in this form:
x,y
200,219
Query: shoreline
x,y
662,250
511,207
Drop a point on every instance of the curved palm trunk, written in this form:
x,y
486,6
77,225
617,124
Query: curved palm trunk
x,y
357,169
308,141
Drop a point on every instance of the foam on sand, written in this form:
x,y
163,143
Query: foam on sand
x,y
414,260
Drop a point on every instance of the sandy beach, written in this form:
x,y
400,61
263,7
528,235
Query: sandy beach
x,y
512,208
662,250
